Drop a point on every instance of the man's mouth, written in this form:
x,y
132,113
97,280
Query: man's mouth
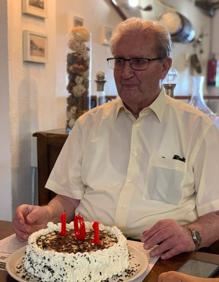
x,y
129,85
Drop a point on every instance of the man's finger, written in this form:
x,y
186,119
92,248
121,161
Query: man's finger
x,y
22,212
162,248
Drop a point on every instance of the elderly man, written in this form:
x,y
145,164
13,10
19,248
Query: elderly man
x,y
144,162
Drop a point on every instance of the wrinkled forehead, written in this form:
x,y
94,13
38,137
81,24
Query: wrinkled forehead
x,y
137,43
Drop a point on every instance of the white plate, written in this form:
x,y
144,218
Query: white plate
x,y
138,263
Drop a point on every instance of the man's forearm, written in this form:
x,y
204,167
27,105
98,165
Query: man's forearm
x,y
59,204
208,227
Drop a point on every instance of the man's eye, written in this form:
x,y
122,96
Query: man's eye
x,y
139,61
119,61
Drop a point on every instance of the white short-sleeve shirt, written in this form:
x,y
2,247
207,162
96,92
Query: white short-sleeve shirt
x,y
133,172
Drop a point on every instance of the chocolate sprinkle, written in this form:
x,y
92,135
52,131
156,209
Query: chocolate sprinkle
x,y
69,244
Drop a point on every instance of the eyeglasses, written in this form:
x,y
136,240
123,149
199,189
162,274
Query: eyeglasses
x,y
135,63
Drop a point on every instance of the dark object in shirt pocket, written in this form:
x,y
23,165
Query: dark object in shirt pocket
x,y
176,157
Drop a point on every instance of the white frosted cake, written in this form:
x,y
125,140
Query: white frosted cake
x,y
52,257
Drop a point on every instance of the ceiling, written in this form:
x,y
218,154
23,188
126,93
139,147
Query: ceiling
x,y
146,6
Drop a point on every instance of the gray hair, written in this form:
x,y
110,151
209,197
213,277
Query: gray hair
x,y
162,36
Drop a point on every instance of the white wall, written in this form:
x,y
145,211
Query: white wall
x,y
5,155
31,93
215,38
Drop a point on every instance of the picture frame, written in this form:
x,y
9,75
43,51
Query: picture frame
x,y
78,21
105,35
37,8
35,47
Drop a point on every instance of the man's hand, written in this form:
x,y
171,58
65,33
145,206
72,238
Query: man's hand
x,y
29,218
168,239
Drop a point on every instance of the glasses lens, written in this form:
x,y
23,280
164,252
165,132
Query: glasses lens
x,y
139,63
119,62
115,63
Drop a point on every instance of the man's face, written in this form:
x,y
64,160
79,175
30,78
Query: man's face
x,y
139,89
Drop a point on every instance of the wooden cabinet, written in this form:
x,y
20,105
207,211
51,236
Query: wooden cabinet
x,y
49,145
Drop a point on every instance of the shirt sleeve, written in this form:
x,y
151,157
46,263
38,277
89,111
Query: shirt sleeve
x,y
65,178
206,170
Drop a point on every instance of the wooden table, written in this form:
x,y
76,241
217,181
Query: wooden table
x,y
161,265
5,230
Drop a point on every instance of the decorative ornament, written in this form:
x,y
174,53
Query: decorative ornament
x,y
100,81
78,62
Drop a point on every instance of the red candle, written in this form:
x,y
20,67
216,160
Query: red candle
x,y
79,228
96,239
63,224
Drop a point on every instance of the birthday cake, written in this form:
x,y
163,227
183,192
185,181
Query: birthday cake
x,y
51,256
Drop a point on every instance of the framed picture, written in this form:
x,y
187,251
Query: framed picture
x,y
36,8
78,21
34,47
105,35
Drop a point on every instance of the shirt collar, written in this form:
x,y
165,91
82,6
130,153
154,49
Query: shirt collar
x,y
158,106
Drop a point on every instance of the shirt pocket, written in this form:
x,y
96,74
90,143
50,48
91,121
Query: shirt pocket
x,y
164,180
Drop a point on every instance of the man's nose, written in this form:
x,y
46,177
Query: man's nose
x,y
127,70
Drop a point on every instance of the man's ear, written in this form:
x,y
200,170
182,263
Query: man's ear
x,y
166,65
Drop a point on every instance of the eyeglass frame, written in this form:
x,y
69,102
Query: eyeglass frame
x,y
148,60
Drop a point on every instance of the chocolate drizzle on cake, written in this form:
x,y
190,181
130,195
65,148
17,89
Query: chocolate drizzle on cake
x,y
69,244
